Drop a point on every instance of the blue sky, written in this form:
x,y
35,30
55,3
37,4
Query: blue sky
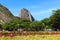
x,y
40,9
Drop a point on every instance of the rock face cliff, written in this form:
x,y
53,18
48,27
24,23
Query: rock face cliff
x,y
26,14
5,15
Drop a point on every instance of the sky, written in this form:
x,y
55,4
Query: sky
x,y
39,9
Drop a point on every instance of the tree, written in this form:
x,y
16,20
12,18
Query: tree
x,y
0,27
12,25
16,24
8,26
46,21
37,26
55,19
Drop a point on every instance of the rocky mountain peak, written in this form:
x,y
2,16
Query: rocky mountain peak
x,y
24,13
5,14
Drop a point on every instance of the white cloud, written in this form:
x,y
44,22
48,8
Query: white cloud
x,y
44,11
42,14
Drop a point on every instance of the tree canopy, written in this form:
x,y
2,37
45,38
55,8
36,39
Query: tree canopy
x,y
53,22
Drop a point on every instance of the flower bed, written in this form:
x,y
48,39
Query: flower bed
x,y
11,34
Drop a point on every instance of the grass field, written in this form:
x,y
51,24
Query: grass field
x,y
32,37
